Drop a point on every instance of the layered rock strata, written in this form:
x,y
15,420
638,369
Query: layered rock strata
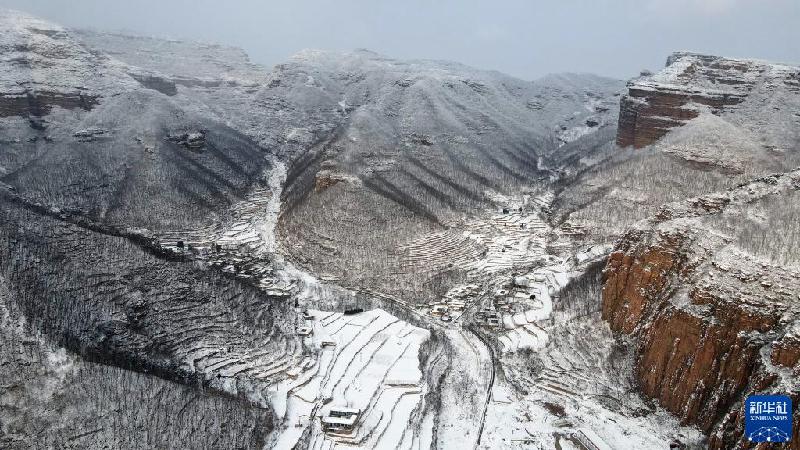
x,y
715,320
668,99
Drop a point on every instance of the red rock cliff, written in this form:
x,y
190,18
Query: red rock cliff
x,y
714,323
657,103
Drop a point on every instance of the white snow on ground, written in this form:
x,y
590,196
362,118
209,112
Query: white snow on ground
x,y
762,127
578,373
515,238
370,361
250,227
77,70
512,238
367,361
675,74
266,227
257,216
573,133
711,139
526,335
464,400
525,284
524,423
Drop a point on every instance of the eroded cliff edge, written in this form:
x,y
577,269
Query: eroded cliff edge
x,y
712,292
692,83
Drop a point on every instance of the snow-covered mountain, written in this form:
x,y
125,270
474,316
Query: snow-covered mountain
x,y
708,285
701,125
407,146
349,250
141,182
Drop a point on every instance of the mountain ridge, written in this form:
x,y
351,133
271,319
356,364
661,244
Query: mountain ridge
x,y
418,239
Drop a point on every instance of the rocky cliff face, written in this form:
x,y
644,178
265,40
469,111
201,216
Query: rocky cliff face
x,y
658,103
716,316
708,124
42,67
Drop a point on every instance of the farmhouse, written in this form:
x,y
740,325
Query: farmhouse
x,y
340,419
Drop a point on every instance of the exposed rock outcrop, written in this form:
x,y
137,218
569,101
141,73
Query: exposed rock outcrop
x,y
27,103
714,318
160,84
327,178
786,352
668,99
42,67
708,124
193,140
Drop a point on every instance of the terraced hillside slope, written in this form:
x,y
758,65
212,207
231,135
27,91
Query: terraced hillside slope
x,y
53,398
425,146
351,251
94,165
139,201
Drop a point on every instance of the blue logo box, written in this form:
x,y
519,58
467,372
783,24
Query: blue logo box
x,y
768,418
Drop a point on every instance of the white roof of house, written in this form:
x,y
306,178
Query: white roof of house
x,y
349,420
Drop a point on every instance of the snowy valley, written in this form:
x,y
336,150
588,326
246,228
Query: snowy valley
x,y
353,251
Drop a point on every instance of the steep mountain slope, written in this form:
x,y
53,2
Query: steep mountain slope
x,y
424,146
710,287
79,132
413,147
408,146
419,241
91,163
747,93
730,120
139,197
51,398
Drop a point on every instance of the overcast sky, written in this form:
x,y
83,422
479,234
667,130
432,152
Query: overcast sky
x,y
523,38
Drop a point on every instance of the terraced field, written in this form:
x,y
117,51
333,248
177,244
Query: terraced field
x,y
367,361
